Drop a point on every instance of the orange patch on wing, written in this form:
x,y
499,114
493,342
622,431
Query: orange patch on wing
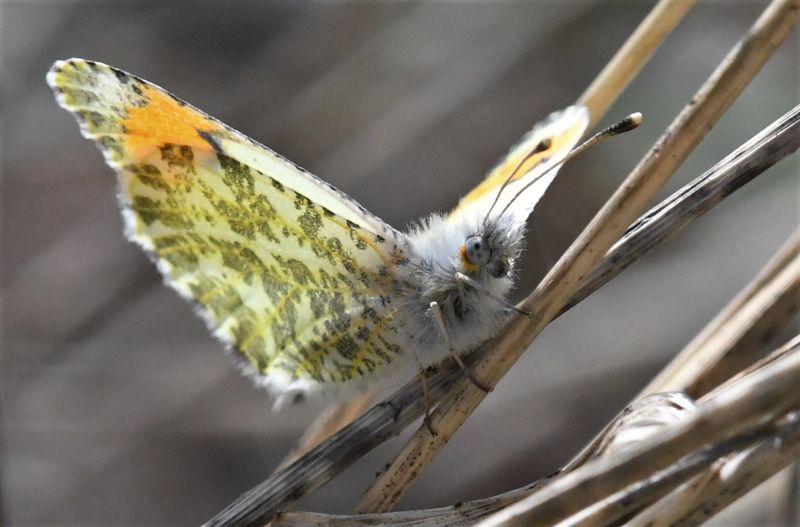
x,y
163,120
561,142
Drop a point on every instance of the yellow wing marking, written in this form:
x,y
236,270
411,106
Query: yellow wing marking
x,y
561,142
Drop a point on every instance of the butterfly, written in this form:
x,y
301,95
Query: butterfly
x,y
309,292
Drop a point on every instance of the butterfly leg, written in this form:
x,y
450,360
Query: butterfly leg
x,y
425,394
439,316
462,292
461,278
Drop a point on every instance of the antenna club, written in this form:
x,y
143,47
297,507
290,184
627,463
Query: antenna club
x,y
635,119
625,125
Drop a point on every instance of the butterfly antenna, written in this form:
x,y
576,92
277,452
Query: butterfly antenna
x,y
540,147
625,125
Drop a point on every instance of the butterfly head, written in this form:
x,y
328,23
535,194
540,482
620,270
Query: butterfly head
x,y
489,252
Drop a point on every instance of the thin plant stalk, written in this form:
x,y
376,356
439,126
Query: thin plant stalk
x,y
778,284
762,308
732,477
332,419
626,503
619,506
709,493
662,222
632,56
622,505
766,394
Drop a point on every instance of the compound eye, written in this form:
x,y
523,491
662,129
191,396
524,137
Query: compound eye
x,y
478,250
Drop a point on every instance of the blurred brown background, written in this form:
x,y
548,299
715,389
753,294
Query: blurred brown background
x,y
119,409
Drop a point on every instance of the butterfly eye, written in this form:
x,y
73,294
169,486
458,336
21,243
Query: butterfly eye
x,y
478,251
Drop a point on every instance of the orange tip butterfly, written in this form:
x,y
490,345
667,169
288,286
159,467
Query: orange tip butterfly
x,y
308,290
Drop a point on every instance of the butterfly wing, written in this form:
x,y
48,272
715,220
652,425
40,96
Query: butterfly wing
x,y
563,129
293,275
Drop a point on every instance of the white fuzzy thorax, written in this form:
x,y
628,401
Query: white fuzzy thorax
x,y
431,275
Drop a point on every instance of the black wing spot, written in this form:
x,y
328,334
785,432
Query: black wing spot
x,y
120,75
176,99
211,140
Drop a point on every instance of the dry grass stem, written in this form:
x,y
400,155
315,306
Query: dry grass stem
x,y
765,395
461,515
632,56
640,418
671,216
734,476
778,449
624,505
643,419
730,479
790,514
728,343
618,506
734,338
564,279
791,346
768,289
318,466
332,419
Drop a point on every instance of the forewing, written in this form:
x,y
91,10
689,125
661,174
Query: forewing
x,y
563,129
292,274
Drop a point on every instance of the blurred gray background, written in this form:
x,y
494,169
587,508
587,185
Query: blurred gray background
x,y
118,408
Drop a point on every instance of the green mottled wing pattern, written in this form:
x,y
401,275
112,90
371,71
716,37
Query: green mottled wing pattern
x,y
300,288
